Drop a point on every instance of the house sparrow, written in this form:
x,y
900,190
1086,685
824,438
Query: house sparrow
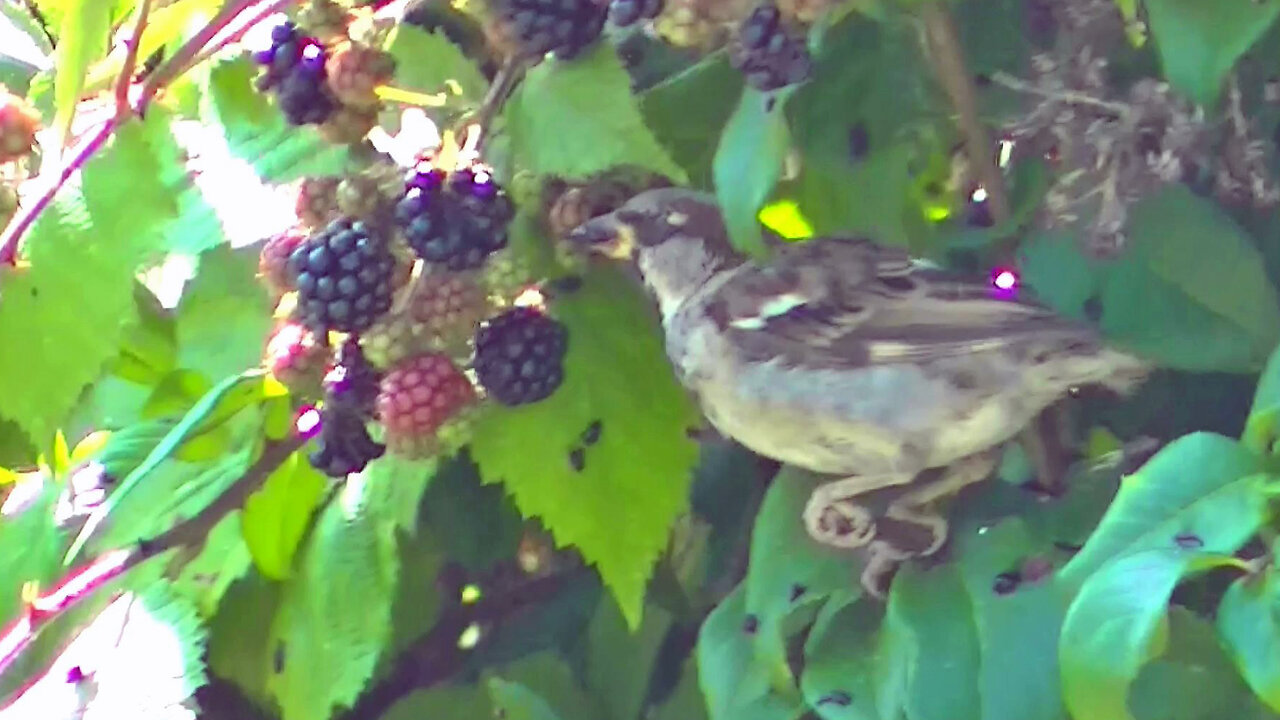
x,y
847,358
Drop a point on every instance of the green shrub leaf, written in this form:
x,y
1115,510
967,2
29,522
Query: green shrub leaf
x,y
747,165
1249,622
225,314
276,516
1199,42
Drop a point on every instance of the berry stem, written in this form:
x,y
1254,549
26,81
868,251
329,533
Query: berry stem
x,y
504,83
190,533
947,56
408,97
125,80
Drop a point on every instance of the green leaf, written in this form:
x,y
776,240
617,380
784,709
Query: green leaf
x,y
1201,489
517,702
1017,633
1262,428
933,615
276,516
619,662
1249,623
330,634
242,649
257,132
428,62
1199,42
688,111
31,544
131,216
464,702
637,475
224,315
477,524
82,38
1184,305
396,485
223,560
734,681
841,659
747,166
577,119
1111,625
1060,275
548,677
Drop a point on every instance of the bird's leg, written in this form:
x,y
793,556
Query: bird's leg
x,y
834,517
1040,440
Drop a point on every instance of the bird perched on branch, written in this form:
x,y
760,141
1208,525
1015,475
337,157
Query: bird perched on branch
x,y
844,357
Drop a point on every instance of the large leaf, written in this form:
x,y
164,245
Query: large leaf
x,y
1262,428
276,516
1249,622
1201,490
30,545
225,314
1114,623
331,634
82,38
619,661
840,661
687,112
1199,42
747,165
223,560
637,475
736,683
577,119
428,62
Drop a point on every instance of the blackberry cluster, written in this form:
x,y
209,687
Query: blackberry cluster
x,y
766,53
454,221
624,13
353,381
295,71
538,27
344,445
520,356
345,275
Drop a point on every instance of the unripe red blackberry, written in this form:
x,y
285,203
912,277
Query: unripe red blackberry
x,y
419,395
355,72
295,359
273,261
519,356
19,122
446,308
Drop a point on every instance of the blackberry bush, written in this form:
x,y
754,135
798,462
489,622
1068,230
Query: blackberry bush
x,y
538,27
765,52
629,12
295,71
519,356
345,275
455,221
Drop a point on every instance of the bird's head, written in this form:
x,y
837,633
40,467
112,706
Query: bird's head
x,y
649,220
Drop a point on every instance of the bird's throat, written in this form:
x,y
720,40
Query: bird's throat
x,y
678,268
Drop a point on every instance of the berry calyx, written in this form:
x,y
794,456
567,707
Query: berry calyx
x,y
345,277
519,356
418,396
454,220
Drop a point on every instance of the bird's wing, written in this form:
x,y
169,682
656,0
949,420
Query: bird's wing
x,y
833,303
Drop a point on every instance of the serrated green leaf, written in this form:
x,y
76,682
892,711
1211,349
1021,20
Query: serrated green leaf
x,y
225,314
276,516
577,119
396,485
1110,627
132,215
477,524
685,702
1199,42
148,349
688,111
175,393
465,702
30,543
257,133
840,661
82,38
747,165
428,62
1249,623
1186,307
622,685
241,646
637,476
223,560
1202,486
330,635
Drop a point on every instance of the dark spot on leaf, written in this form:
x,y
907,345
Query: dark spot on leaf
x,y
751,624
591,435
578,459
798,591
35,292
1188,541
839,697
982,80
566,284
769,103
1069,547
859,142
277,658
1093,308
1006,583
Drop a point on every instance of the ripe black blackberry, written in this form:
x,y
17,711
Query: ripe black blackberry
x,y
295,71
454,221
344,445
766,53
538,27
520,356
628,12
345,278
353,380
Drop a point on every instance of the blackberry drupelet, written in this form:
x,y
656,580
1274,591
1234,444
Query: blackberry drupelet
x,y
418,396
457,221
766,53
295,71
538,27
628,12
345,278
520,356
344,445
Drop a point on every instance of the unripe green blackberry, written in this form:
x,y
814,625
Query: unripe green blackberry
x,y
317,201
345,277
519,356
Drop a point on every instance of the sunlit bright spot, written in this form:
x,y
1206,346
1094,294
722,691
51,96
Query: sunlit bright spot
x,y
417,135
128,663
20,46
470,637
471,594
351,496
26,490
307,423
979,194
311,51
1005,153
258,37
168,279
84,492
1004,279
530,297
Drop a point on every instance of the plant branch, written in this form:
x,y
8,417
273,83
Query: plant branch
x,y
947,56
81,583
504,83
125,80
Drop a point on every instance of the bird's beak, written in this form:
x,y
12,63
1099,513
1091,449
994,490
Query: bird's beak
x,y
605,235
